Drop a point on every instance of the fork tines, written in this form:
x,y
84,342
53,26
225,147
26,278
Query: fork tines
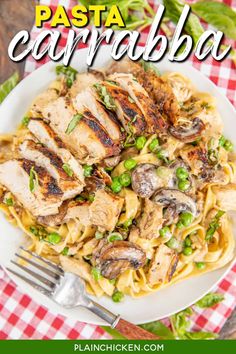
x,y
53,271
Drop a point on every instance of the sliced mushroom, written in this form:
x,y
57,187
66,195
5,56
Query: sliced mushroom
x,y
188,133
116,257
145,180
176,202
112,161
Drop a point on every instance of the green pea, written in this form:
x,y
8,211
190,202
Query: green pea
x,y
116,186
87,170
164,231
114,236
117,296
187,241
140,142
186,219
65,251
181,173
180,225
228,145
98,235
54,238
130,164
153,144
96,273
125,179
187,251
183,185
200,265
172,243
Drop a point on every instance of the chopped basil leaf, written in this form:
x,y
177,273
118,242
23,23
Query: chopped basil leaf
x,y
105,97
25,121
214,225
8,86
68,72
9,201
67,169
73,123
33,180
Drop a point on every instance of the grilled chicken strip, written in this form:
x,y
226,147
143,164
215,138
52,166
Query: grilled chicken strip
x,y
163,265
157,88
153,118
46,158
44,133
105,210
47,197
117,99
82,82
67,211
87,139
87,100
42,101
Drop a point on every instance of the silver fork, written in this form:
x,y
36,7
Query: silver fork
x,y
68,290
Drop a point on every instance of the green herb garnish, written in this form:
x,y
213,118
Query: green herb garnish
x,y
210,300
9,202
73,123
105,97
67,169
33,180
214,225
69,73
25,121
8,86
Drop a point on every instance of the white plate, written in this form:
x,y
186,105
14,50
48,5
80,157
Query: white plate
x,y
152,307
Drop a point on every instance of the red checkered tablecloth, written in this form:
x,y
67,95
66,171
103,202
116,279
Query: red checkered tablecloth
x,y
23,318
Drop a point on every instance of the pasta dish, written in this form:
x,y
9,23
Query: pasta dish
x,y
123,176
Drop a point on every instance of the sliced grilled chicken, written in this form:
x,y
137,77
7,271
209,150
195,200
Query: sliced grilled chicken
x,y
157,88
47,196
153,118
46,158
163,265
42,101
67,211
87,99
82,82
105,210
86,138
44,133
117,99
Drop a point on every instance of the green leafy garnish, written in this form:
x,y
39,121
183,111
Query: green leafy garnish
x,y
210,300
25,121
69,73
8,86
159,329
135,13
192,26
214,225
9,202
148,66
65,251
33,180
114,236
67,169
105,97
218,14
73,123
38,231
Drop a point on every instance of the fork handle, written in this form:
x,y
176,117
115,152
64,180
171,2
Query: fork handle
x,y
127,329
